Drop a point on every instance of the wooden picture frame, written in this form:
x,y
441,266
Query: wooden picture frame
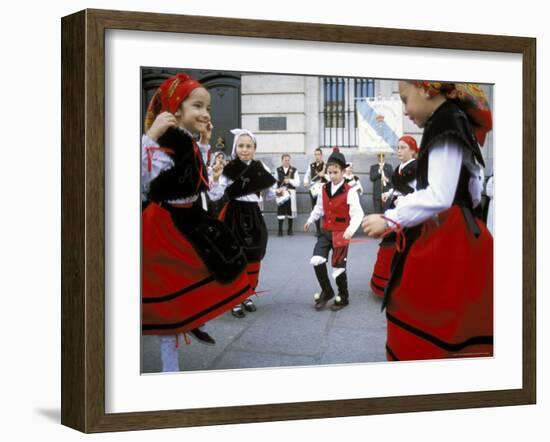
x,y
83,220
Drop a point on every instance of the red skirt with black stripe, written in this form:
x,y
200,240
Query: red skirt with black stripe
x,y
382,268
179,293
443,304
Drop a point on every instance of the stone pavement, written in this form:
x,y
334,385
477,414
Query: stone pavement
x,y
286,330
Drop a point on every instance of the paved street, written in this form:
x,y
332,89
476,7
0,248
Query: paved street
x,y
286,330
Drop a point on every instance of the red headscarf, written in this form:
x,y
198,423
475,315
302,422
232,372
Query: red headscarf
x,y
169,96
411,142
470,98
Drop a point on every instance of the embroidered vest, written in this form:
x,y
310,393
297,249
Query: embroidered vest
x,y
281,175
314,169
335,208
188,177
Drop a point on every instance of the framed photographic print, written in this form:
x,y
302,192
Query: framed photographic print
x,y
291,91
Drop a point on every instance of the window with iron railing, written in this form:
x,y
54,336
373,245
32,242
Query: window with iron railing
x,y
338,111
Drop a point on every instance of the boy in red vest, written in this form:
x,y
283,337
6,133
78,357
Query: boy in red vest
x,y
341,211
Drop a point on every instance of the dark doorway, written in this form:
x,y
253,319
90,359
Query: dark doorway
x,y
224,88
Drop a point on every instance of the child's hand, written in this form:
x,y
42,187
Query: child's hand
x,y
347,236
374,225
217,172
306,227
206,134
162,122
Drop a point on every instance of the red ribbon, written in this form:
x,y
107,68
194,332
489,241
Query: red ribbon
x,y
198,156
400,240
150,151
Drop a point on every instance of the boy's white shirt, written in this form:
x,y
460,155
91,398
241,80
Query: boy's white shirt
x,y
445,162
217,189
355,210
161,161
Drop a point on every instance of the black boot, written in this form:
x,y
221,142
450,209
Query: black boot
x,y
326,289
343,295
289,231
281,221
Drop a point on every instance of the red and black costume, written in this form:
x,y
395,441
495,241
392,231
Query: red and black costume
x,y
341,212
193,267
439,300
244,218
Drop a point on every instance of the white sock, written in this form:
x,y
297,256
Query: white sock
x,y
169,353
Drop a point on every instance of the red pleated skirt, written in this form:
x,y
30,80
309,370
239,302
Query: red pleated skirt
x,y
179,293
382,268
443,305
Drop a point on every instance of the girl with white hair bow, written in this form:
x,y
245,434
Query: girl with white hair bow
x,y
242,186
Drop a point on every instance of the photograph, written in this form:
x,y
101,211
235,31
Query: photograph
x,y
303,220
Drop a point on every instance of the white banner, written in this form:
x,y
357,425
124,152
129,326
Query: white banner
x,y
380,124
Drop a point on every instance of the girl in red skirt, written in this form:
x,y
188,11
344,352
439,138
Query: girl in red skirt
x,y
241,185
193,268
403,182
439,300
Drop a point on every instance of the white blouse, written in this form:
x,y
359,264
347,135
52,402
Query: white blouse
x,y
445,162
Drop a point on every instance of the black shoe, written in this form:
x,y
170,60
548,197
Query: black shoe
x,y
238,312
323,299
339,304
202,336
280,233
320,305
249,305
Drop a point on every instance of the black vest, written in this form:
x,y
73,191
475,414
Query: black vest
x,y
314,169
184,179
281,175
401,179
